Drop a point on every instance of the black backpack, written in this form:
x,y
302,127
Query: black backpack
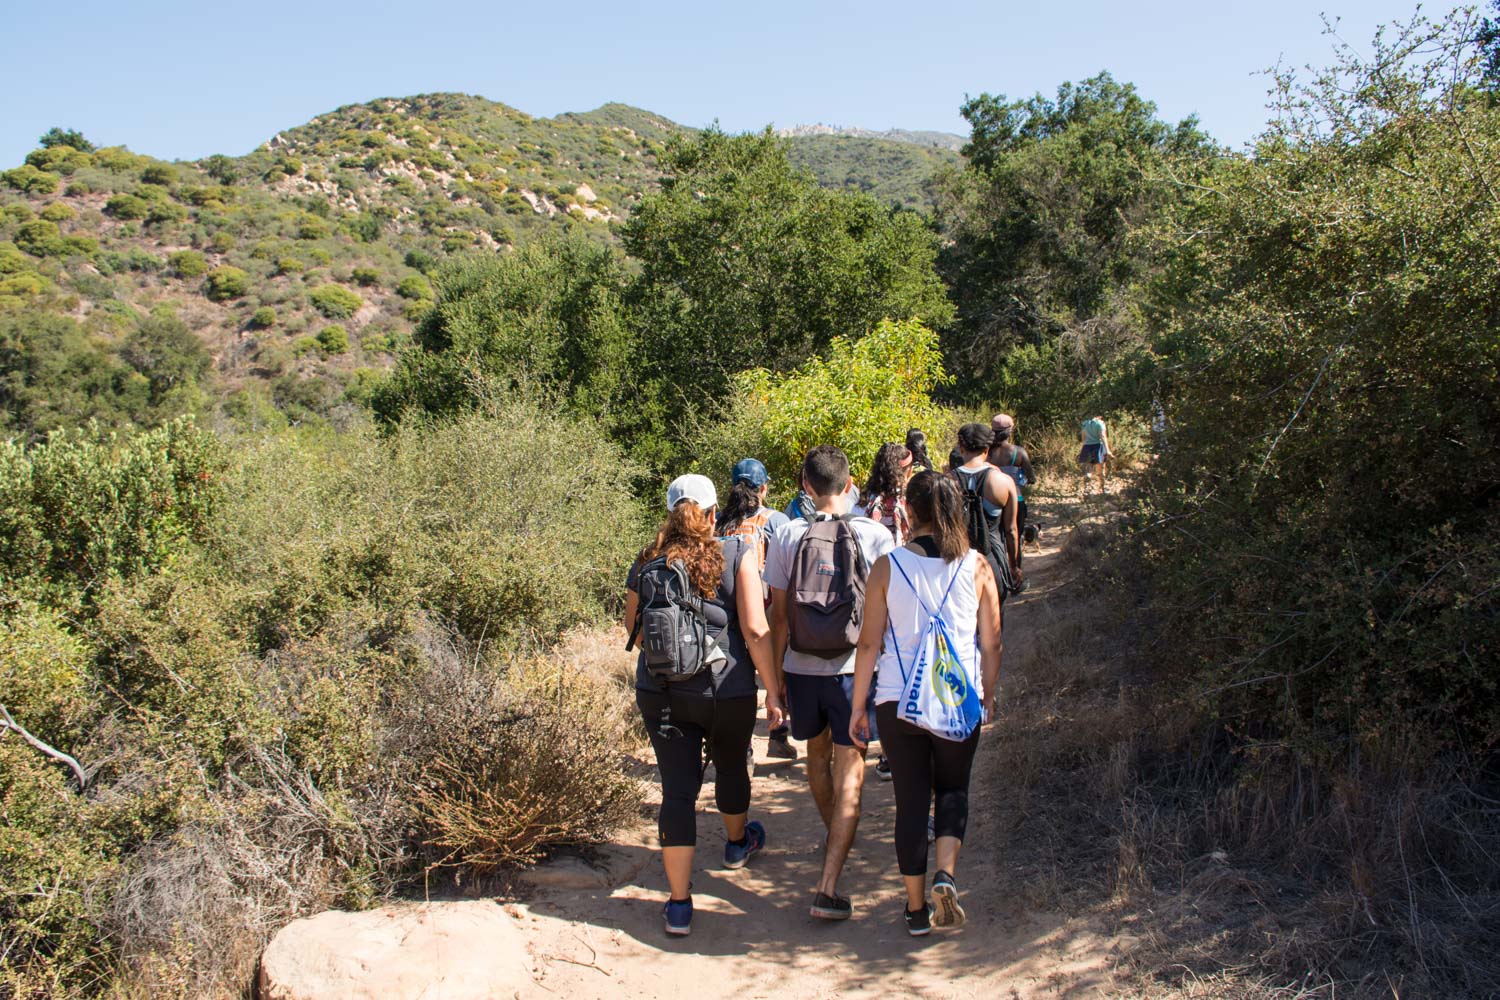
x,y
984,529
670,622
826,589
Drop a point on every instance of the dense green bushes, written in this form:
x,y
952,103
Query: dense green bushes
x,y
1338,541
335,301
255,652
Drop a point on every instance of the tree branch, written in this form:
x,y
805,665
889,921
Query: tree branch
x,y
9,724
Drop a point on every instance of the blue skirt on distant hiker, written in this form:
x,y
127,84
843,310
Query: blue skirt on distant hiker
x,y
1092,454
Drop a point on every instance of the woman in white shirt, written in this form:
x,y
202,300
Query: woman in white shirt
x,y
934,573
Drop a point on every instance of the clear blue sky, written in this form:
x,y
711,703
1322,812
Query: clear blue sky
x,y
180,80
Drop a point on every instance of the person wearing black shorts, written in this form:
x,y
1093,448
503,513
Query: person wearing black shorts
x,y
818,688
716,708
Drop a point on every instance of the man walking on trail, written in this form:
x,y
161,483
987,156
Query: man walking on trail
x,y
1095,453
1013,460
816,569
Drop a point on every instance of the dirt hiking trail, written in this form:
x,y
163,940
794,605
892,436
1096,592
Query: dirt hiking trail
x,y
593,926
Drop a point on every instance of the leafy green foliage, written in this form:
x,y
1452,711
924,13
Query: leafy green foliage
x,y
55,137
414,287
1042,218
333,339
865,393
1329,373
750,263
187,263
226,282
127,206
263,318
335,301
30,180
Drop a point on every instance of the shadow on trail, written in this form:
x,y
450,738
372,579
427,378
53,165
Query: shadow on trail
x,y
752,931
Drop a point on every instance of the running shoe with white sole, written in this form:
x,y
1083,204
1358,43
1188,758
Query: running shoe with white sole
x,y
919,922
947,912
677,917
735,855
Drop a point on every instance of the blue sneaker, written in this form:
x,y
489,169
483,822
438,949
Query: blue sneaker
x,y
677,917
735,855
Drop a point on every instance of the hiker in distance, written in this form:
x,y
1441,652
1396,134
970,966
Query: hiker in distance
x,y
696,608
990,507
1095,453
932,626
816,569
745,515
1013,460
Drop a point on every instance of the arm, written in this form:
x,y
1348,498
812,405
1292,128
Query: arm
x,y
1001,491
871,634
778,640
632,606
751,605
990,645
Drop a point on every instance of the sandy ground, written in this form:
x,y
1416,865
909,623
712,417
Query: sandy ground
x,y
594,929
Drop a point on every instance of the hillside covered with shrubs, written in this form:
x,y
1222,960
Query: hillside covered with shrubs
x,y
302,268
301,512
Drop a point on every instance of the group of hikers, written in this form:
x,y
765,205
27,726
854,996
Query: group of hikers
x,y
866,615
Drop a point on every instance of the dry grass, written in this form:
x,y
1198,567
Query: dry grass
x,y
1239,868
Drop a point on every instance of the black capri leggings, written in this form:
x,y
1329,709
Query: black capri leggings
x,y
924,766
725,725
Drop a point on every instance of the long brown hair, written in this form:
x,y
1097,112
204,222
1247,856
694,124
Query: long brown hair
x,y
936,501
688,534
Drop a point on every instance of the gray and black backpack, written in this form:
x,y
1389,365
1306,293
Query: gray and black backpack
x,y
670,622
826,589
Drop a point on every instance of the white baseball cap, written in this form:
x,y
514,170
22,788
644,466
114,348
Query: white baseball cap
x,y
699,489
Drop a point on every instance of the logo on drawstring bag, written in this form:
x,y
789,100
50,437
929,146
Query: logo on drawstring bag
x,y
937,694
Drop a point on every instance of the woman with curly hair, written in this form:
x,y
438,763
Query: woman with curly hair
x,y
715,707
884,498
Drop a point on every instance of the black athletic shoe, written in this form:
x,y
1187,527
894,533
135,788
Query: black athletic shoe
x,y
831,907
883,769
947,911
779,746
919,922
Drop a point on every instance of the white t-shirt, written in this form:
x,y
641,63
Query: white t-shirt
x,y
874,541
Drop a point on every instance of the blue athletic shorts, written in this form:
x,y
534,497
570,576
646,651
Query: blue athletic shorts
x,y
819,703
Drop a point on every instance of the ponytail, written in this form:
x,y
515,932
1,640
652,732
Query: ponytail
x,y
936,501
743,501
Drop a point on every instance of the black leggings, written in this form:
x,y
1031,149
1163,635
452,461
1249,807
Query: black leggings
x,y
725,725
924,765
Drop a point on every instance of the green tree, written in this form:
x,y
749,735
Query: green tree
x,y
744,261
333,339
173,361
1041,220
222,169
55,137
552,313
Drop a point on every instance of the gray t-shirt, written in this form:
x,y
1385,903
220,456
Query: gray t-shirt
x,y
874,541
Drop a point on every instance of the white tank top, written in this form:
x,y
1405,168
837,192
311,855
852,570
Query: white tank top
x,y
907,617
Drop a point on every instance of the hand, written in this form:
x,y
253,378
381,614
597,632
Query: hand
x,y
775,712
859,728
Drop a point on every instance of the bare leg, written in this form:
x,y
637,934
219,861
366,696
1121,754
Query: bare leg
x,y
734,826
678,861
848,783
946,853
916,892
820,773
